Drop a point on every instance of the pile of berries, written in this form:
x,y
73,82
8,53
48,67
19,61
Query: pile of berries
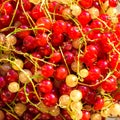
x,y
59,59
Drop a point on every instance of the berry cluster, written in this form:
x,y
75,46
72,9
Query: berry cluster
x,y
59,59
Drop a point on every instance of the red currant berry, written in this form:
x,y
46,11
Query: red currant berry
x,y
113,3
12,76
50,99
56,57
24,32
74,33
64,89
86,3
59,27
99,103
60,73
45,86
110,84
86,115
44,24
69,57
42,39
84,18
47,70
29,42
94,74
7,96
37,12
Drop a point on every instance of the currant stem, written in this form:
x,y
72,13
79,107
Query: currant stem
x,y
14,13
64,59
11,114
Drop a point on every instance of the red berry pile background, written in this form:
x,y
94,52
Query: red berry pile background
x,y
59,59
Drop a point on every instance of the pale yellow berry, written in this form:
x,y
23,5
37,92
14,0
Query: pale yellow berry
x,y
76,115
75,95
64,101
96,116
115,110
71,80
17,65
76,10
25,76
83,73
114,19
94,12
66,13
20,108
13,87
105,113
11,40
76,106
112,11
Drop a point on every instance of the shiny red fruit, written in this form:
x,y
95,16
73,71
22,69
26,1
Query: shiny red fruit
x,y
61,73
110,84
59,27
7,96
50,99
99,103
86,115
47,70
86,3
45,86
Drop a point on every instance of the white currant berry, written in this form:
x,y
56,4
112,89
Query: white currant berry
x,y
64,101
115,110
76,106
75,95
83,73
96,116
94,12
13,87
25,76
76,115
71,80
20,108
112,11
11,40
105,112
66,13
18,64
76,10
